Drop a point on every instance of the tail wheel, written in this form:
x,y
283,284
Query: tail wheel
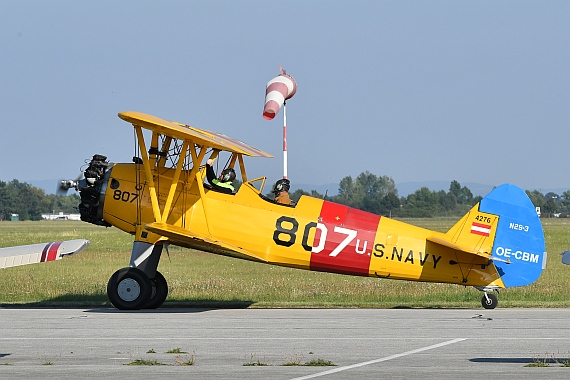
x,y
489,301
129,289
159,291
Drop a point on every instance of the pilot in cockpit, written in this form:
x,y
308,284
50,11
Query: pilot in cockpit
x,y
281,191
224,182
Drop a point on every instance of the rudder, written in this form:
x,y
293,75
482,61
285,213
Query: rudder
x,y
518,249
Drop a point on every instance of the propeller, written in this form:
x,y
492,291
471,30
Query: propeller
x,y
66,184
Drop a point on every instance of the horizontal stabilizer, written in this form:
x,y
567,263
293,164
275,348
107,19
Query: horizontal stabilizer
x,y
450,244
40,253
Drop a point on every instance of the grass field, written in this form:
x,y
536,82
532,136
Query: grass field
x,y
198,279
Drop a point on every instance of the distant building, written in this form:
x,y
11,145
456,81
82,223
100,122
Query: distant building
x,y
61,216
14,217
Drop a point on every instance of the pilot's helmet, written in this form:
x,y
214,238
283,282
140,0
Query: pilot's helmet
x,y
228,175
281,185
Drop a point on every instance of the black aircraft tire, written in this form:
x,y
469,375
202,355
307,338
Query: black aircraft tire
x,y
490,303
129,289
159,291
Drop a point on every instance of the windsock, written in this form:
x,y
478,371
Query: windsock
x,y
279,89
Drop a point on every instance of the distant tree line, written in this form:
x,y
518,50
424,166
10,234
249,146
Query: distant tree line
x,y
378,194
367,192
30,202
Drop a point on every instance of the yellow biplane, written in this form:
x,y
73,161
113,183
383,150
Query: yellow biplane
x,y
161,198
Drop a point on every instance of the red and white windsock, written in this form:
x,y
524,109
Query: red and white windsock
x,y
279,89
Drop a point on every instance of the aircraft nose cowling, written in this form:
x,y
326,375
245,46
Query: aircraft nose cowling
x,y
92,190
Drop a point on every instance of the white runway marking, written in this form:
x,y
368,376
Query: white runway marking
x,y
381,359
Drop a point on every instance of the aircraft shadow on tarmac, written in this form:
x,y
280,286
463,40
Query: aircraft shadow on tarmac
x,y
545,360
100,303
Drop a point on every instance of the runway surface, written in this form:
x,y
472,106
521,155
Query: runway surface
x,y
257,343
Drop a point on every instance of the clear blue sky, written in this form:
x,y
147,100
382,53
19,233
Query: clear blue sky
x,y
474,91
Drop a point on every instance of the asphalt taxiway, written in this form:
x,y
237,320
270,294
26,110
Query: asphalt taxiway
x,y
267,343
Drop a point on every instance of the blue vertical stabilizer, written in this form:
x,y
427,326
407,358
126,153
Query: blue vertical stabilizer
x,y
518,250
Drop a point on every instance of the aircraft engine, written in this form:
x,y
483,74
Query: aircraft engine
x,y
92,190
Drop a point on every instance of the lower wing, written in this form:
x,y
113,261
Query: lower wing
x,y
183,237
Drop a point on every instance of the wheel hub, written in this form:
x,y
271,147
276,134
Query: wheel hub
x,y
128,289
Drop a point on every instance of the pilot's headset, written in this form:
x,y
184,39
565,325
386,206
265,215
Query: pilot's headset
x,y
281,185
228,175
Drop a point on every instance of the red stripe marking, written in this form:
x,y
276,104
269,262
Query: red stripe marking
x,y
333,213
52,254
279,87
44,253
355,257
270,110
486,227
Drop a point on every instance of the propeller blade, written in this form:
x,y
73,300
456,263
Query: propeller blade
x,y
66,184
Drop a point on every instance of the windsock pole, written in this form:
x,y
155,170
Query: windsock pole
x,y
284,139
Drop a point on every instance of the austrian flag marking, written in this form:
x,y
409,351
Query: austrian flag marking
x,y
480,229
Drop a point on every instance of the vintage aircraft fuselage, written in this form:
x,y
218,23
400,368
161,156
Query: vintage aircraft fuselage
x,y
315,234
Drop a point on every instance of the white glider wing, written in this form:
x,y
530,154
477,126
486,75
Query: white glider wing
x,y
40,253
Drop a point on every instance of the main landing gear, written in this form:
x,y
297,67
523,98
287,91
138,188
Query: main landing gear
x,y
139,286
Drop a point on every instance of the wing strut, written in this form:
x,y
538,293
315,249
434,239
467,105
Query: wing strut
x,y
203,197
196,158
174,183
148,173
242,168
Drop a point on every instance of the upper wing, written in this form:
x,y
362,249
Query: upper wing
x,y
186,132
189,239
40,253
